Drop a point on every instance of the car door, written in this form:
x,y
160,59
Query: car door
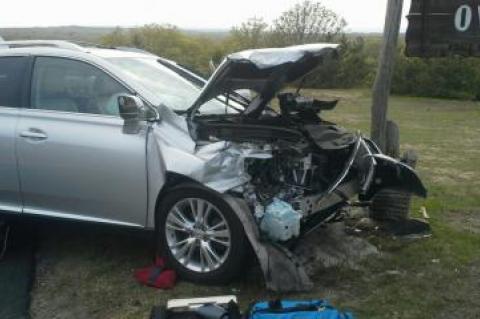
x,y
75,160
12,79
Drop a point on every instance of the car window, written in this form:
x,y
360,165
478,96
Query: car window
x,y
175,91
72,86
12,71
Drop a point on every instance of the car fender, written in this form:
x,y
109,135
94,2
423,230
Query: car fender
x,y
391,173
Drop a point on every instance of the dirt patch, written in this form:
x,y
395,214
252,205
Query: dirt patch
x,y
332,246
465,221
452,176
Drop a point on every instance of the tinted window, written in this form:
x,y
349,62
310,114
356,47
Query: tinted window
x,y
73,86
12,71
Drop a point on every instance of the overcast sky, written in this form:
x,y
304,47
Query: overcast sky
x,y
362,16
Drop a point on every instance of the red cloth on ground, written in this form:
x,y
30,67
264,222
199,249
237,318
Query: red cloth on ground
x,y
156,275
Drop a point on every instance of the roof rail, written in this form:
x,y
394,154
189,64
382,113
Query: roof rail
x,y
131,49
69,45
41,43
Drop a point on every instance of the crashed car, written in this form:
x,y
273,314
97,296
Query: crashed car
x,y
218,167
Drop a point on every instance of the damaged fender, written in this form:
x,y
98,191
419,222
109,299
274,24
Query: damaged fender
x,y
391,173
218,166
282,271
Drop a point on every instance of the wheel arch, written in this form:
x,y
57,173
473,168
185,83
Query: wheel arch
x,y
172,180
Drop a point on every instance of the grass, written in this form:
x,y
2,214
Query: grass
x,y
86,272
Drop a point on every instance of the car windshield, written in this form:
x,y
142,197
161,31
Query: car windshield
x,y
175,91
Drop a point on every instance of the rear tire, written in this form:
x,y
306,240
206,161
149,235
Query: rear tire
x,y
201,237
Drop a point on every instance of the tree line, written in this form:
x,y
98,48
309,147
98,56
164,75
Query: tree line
x,y
310,22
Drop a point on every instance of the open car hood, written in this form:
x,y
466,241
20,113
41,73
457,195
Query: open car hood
x,y
264,71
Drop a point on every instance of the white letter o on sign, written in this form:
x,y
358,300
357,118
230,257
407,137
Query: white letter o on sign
x,y
463,18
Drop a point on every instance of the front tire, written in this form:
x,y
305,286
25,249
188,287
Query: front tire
x,y
390,205
200,235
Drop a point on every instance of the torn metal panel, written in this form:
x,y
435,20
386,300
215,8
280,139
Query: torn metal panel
x,y
281,269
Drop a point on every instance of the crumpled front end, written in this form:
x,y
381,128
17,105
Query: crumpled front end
x,y
283,171
285,183
278,188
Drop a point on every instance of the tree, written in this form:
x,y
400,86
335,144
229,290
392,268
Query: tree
x,y
168,41
352,68
116,38
447,77
307,22
250,34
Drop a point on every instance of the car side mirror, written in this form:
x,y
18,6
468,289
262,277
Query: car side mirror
x,y
129,107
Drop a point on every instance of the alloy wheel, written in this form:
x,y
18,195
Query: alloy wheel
x,y
198,235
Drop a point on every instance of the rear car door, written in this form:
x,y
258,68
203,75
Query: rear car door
x,y
75,160
12,79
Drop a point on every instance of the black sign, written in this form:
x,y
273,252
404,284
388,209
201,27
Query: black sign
x,y
443,27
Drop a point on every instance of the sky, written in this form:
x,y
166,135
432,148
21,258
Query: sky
x,y
361,16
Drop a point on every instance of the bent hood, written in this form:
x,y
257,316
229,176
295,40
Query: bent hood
x,y
264,71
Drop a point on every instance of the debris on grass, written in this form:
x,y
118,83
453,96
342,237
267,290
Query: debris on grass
x,y
423,211
332,246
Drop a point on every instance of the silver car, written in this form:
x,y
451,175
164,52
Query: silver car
x,y
124,137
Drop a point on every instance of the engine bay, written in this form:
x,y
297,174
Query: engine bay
x,y
304,156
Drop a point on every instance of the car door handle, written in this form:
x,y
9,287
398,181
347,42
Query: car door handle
x,y
34,134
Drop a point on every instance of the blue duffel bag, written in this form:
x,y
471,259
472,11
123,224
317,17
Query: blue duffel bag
x,y
290,309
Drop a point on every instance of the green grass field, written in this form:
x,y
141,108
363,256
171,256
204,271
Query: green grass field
x,y
86,272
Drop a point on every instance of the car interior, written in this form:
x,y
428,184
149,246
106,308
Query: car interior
x,y
71,86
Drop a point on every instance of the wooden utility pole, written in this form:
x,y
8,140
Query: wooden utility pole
x,y
383,81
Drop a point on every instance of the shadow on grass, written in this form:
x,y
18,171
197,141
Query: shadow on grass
x,y
16,270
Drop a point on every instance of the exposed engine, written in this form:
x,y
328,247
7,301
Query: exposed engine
x,y
277,188
288,175
291,175
306,154
294,172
